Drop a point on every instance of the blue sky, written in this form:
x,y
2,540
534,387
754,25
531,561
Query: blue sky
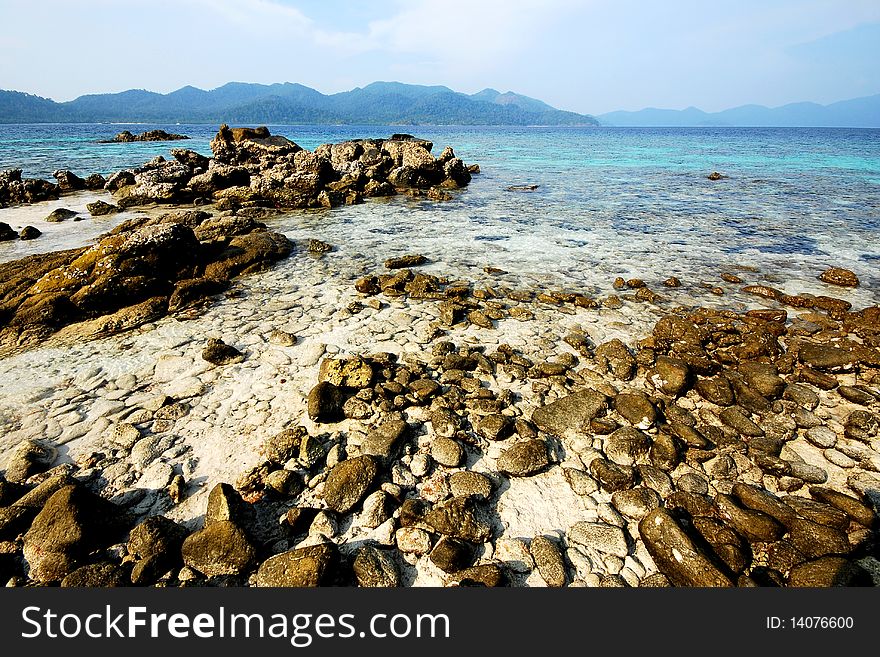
x,y
589,56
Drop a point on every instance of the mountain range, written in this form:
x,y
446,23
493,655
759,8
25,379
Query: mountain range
x,y
856,113
390,103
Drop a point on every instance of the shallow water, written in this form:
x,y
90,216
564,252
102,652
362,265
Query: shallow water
x,y
611,201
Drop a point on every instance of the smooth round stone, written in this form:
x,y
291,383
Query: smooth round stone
x,y
822,437
447,451
839,459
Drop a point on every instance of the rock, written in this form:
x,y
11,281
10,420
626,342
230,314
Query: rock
x,y
763,378
412,540
861,425
218,352
7,233
125,137
451,554
839,276
627,445
99,575
447,451
355,373
221,548
385,440
716,390
853,507
405,261
298,568
549,561
635,503
72,524
102,208
636,409
68,181
225,504
715,176
612,476
725,542
95,181
29,458
752,525
348,483
737,420
466,483
814,540
375,568
524,458
821,436
29,233
156,544
325,403
14,189
675,555
617,359
284,482
856,395
60,214
569,416
284,446
669,376
460,517
604,538
827,572
489,575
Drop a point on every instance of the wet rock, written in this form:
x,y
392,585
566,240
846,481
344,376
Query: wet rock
x,y
298,568
29,458
488,575
150,135
102,208
839,276
72,524
612,476
104,575
827,358
715,390
524,458
627,445
761,500
348,483
815,540
218,352
156,544
29,233
828,572
405,261
325,403
737,420
861,425
60,214
221,548
385,440
664,453
495,426
635,503
569,416
753,525
451,554
675,554
375,568
763,378
617,359
284,446
636,409
669,376
853,507
460,517
601,537
856,395
729,547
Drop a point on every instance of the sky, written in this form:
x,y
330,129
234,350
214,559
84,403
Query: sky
x,y
588,56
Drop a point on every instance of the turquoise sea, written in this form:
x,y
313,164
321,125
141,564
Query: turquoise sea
x,y
611,201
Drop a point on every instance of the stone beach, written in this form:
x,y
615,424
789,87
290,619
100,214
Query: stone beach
x,y
211,402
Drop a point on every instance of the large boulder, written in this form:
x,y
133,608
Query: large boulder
x,y
14,189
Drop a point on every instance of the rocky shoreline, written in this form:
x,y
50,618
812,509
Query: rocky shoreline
x,y
332,420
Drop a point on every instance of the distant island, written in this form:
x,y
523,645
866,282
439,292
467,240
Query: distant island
x,y
856,113
384,103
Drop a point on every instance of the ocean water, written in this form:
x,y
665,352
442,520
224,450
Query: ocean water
x,y
610,202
